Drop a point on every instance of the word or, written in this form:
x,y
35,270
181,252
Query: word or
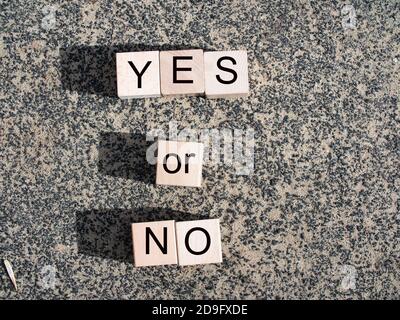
x,y
179,163
170,242
182,72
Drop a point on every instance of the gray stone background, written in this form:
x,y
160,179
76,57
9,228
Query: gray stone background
x,y
318,218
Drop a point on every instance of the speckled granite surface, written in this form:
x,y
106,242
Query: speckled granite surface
x,y
319,218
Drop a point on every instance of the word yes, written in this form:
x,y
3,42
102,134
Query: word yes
x,y
182,72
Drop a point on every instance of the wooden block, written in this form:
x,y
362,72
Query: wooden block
x,y
182,72
226,74
138,74
179,163
154,243
198,242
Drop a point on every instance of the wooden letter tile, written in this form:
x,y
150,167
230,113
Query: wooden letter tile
x,y
179,163
138,74
182,72
154,243
226,74
198,242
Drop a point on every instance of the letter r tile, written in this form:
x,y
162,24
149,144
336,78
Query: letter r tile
x,y
182,72
154,243
138,74
198,242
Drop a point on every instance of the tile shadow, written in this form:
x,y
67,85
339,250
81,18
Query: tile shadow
x,y
92,69
107,233
123,155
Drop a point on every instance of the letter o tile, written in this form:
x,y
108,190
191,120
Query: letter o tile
x,y
198,242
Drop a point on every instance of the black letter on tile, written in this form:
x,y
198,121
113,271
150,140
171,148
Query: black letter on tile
x,y
176,69
187,156
187,241
165,163
139,74
163,248
227,70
